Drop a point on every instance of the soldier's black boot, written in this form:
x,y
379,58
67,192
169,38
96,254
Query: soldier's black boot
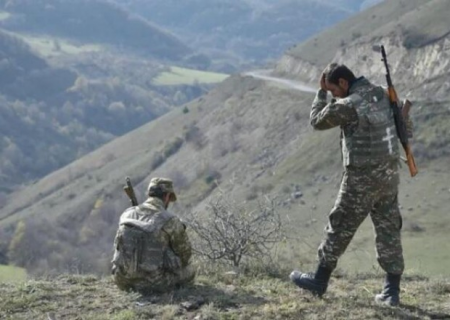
x,y
316,283
391,291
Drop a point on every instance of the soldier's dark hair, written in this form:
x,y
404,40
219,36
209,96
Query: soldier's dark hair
x,y
156,192
335,71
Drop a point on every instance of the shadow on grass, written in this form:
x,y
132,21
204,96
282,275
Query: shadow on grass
x,y
425,313
199,294
407,312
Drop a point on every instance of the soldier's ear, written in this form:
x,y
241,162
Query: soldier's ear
x,y
166,199
343,83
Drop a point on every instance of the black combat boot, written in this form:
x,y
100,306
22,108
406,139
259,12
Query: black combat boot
x,y
391,291
316,283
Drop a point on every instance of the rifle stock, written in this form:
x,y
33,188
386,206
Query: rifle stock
x,y
410,161
406,107
398,118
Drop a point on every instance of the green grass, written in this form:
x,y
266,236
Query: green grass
x,y
4,15
12,274
52,46
243,297
180,76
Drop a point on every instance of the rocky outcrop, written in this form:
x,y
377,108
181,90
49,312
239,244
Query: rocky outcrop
x,y
422,73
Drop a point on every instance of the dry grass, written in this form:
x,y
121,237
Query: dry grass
x,y
260,297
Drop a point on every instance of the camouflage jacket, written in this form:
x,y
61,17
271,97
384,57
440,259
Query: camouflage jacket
x,y
152,216
367,127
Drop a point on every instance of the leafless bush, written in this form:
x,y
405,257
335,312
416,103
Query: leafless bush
x,y
223,143
230,232
212,176
195,136
256,190
3,199
171,147
156,161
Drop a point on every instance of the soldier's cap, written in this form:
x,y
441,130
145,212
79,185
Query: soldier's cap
x,y
165,185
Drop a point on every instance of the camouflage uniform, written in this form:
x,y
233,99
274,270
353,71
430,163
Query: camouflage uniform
x,y
370,152
151,263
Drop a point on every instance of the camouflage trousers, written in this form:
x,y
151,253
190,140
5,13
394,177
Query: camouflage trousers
x,y
156,282
366,191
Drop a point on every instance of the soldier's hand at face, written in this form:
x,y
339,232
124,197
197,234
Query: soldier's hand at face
x,y
323,84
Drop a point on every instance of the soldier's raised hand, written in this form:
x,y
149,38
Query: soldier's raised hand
x,y
323,84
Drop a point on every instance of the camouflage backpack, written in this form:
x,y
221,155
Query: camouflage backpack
x,y
141,248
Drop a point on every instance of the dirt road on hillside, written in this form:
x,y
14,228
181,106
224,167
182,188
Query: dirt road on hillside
x,y
265,75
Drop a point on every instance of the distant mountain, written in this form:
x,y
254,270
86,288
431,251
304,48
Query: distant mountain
x,y
94,21
242,31
416,34
23,75
53,113
75,74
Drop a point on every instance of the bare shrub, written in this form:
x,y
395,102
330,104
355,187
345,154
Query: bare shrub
x,y
156,161
251,195
229,232
171,147
212,175
256,190
195,136
223,143
3,199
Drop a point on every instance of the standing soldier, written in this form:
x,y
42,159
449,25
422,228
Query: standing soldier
x,y
152,249
370,152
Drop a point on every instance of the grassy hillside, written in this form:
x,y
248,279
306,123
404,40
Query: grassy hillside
x,y
246,138
72,97
51,115
417,22
69,195
48,46
12,274
252,138
245,297
24,73
4,15
92,22
74,90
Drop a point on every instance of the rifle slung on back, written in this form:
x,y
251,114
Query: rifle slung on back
x,y
400,124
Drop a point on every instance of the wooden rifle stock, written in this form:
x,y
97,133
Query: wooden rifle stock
x,y
410,161
406,107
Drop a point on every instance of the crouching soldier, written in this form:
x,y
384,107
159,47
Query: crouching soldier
x,y
152,249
